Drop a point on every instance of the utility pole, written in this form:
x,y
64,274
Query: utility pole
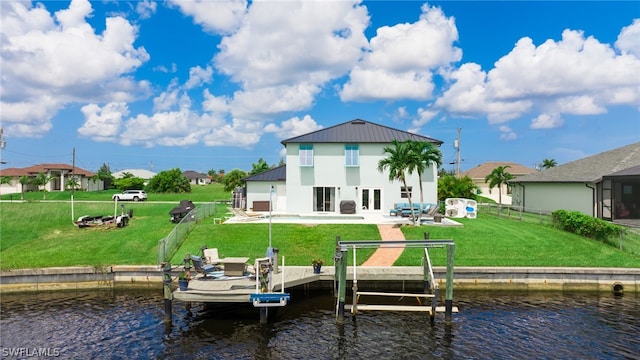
x,y
73,183
3,144
456,144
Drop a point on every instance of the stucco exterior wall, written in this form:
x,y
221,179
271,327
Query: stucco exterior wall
x,y
259,191
555,196
329,170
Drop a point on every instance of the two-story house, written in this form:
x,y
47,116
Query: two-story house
x,y
338,166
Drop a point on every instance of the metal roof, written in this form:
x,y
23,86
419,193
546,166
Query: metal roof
x,y
590,169
276,174
358,131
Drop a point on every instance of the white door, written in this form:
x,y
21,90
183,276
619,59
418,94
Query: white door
x,y
371,200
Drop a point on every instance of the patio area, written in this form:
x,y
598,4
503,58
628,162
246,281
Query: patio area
x,y
331,218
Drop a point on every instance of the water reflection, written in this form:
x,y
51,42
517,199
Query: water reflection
x,y
129,325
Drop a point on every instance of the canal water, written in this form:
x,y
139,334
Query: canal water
x,y
128,324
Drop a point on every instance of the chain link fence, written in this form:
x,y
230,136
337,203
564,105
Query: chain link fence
x,y
168,246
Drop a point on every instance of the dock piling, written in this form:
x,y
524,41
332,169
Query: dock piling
x,y
166,285
341,275
448,303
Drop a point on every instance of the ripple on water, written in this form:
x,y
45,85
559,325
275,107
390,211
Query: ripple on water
x,y
129,325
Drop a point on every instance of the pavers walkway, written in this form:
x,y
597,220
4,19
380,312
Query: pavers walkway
x,y
386,256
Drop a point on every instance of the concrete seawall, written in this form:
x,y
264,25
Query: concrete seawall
x,y
391,278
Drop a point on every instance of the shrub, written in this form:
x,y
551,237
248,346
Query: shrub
x,y
585,225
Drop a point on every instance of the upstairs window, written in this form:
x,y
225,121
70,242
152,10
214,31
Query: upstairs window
x,y
405,192
351,156
306,155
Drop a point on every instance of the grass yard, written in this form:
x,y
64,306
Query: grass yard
x,y
199,193
297,243
41,234
490,241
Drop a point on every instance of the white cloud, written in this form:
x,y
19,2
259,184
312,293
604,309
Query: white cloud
x,y
575,75
402,57
284,52
293,127
103,123
273,100
168,98
199,76
239,133
629,39
62,55
215,104
146,8
507,134
424,117
547,121
582,105
214,16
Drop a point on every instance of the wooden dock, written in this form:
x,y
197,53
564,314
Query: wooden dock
x,y
213,288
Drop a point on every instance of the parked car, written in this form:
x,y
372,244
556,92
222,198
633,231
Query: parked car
x,y
135,195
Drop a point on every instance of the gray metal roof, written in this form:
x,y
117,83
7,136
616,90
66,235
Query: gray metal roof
x,y
590,169
358,131
276,174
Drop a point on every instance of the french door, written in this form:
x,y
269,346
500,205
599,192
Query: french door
x,y
324,199
371,199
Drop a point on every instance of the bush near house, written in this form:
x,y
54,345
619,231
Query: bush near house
x,y
585,225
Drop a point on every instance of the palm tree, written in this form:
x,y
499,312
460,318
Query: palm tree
x,y
42,179
498,177
548,163
72,183
397,162
451,186
24,180
422,155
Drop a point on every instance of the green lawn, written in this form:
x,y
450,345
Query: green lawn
x,y
41,234
199,193
490,241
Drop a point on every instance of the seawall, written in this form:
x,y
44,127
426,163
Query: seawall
x,y
389,278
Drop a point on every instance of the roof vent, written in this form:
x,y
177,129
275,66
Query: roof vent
x,y
358,121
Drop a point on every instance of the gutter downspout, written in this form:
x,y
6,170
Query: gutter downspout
x,y
594,208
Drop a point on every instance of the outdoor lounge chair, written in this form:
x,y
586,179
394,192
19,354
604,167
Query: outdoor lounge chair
x,y
432,211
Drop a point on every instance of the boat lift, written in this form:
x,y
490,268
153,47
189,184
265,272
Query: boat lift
x,y
264,297
431,286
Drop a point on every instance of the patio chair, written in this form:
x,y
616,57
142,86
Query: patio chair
x,y
433,210
211,256
199,266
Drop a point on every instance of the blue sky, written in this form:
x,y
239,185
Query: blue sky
x,y
201,85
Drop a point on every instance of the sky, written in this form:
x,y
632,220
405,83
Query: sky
x,y
202,85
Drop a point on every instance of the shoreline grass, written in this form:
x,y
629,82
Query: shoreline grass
x,y
37,234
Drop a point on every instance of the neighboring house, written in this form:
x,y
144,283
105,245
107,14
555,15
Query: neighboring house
x,y
139,173
196,178
339,165
601,185
478,174
59,174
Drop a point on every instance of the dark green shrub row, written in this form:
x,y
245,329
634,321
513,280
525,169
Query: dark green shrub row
x,y
585,225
